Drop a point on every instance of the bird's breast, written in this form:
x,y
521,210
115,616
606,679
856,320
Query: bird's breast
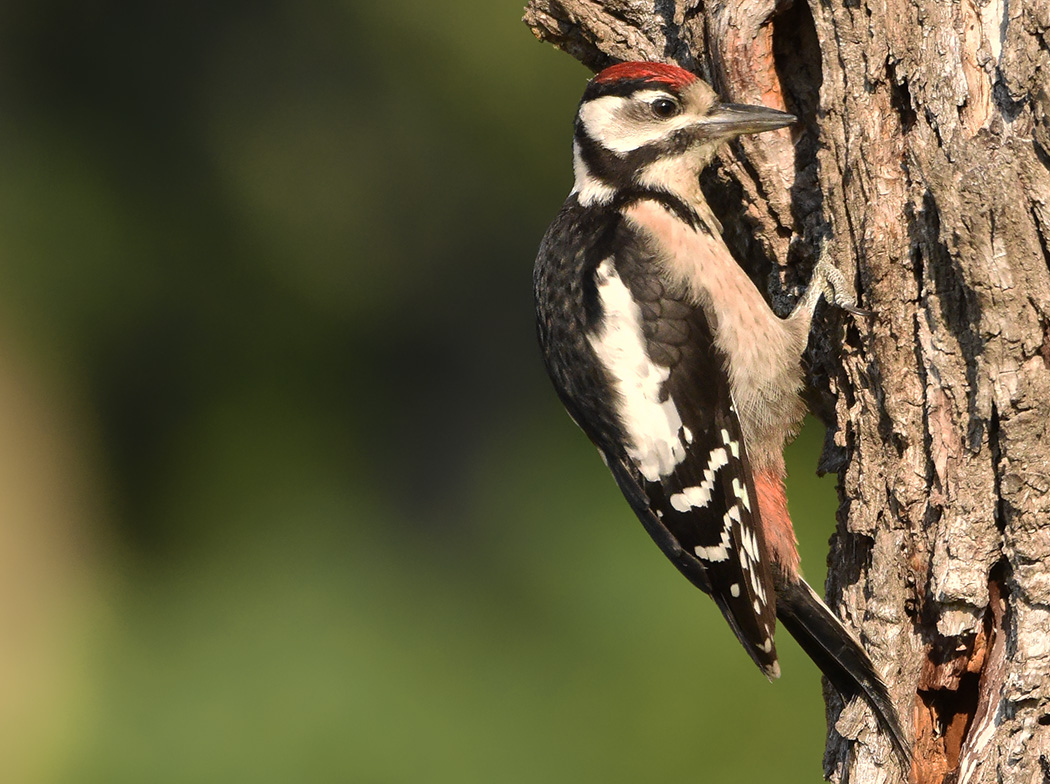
x,y
761,349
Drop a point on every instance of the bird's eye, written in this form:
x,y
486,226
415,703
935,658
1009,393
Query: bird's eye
x,y
664,108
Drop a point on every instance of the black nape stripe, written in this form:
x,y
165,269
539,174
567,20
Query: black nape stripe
x,y
618,171
602,163
681,210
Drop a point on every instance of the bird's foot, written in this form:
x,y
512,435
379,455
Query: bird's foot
x,y
832,284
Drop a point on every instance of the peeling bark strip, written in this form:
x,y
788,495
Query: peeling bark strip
x,y
924,153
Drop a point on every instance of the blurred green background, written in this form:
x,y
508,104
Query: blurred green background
x,y
284,492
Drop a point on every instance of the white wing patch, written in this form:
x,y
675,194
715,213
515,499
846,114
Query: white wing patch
x,y
699,496
652,426
734,446
720,552
756,583
740,491
747,538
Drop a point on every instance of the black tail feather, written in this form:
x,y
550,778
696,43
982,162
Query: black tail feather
x,y
839,656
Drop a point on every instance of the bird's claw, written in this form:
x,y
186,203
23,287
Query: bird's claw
x,y
834,287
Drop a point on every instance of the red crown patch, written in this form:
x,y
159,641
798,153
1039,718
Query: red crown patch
x,y
670,75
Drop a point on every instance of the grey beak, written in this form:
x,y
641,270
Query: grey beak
x,y
733,119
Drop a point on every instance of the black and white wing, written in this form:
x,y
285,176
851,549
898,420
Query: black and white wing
x,y
637,368
684,467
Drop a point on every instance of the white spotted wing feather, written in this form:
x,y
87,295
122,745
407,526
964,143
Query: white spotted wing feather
x,y
683,445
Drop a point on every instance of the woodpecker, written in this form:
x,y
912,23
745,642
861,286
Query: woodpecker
x,y
667,356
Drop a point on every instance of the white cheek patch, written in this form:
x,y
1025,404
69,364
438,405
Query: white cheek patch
x,y
608,121
652,425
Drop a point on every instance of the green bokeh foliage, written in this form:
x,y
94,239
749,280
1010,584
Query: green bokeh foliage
x,y
280,254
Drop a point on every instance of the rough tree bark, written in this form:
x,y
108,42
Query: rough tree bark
x,y
923,157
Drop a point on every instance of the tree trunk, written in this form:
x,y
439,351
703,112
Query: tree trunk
x,y
922,157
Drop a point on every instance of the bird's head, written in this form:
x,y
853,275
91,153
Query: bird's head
x,y
654,125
